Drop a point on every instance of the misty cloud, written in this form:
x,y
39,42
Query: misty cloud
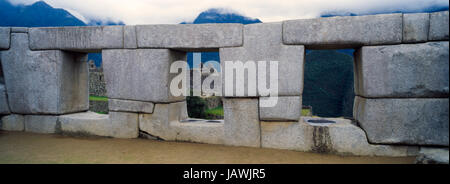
x,y
176,11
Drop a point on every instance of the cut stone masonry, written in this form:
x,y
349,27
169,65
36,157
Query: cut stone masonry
x,y
401,83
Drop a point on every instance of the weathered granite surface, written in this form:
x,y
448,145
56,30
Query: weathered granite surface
x,y
13,122
429,155
409,121
190,37
344,32
85,124
130,106
341,137
4,107
158,123
50,82
19,30
415,27
263,42
129,38
124,124
82,39
407,70
288,108
439,26
241,118
44,124
140,74
201,131
5,37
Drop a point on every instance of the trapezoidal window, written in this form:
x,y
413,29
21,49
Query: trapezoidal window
x,y
328,83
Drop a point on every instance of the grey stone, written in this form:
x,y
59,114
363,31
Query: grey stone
x,y
341,137
19,30
4,107
199,131
85,124
141,74
432,156
344,32
242,127
129,38
407,70
262,42
287,108
192,37
41,124
415,27
98,106
158,123
44,82
5,37
13,122
130,106
421,121
286,135
83,39
438,26
124,124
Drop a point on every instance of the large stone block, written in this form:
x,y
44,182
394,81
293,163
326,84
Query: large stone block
x,y
5,37
129,37
288,108
41,124
19,30
130,106
408,70
439,26
286,135
13,122
344,32
158,123
189,36
262,42
418,121
124,124
4,107
415,27
242,127
85,124
340,137
44,82
140,74
83,39
429,155
199,131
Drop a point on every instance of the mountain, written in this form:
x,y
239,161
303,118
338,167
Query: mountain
x,y
39,14
217,15
428,9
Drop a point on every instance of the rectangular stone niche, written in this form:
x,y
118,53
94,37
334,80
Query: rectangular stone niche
x,y
44,82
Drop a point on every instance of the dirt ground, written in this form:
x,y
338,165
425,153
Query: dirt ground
x,y
20,147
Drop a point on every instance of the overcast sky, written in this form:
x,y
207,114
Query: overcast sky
x,y
176,11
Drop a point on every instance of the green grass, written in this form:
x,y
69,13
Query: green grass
x,y
218,111
98,98
305,112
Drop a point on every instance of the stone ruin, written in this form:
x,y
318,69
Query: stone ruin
x,y
401,83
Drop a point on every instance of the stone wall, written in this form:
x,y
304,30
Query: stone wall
x,y
401,83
